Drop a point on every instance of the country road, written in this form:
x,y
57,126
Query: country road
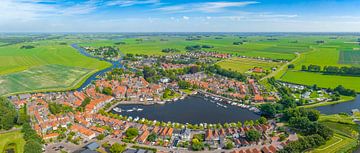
x,y
281,68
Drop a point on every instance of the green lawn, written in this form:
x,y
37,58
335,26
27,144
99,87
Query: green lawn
x,y
12,137
47,66
244,64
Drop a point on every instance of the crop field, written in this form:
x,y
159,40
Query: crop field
x,y
12,137
349,57
325,81
48,65
48,77
244,64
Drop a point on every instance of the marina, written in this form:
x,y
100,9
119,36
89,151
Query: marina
x,y
193,109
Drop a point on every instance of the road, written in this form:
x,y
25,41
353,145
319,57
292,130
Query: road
x,y
281,68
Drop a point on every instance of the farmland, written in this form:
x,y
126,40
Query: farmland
x,y
46,66
244,64
256,46
326,81
46,77
350,57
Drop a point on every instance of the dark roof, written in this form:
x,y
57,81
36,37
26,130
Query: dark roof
x,y
88,151
141,151
92,146
130,151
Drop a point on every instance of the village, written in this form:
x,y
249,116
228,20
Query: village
x,y
79,117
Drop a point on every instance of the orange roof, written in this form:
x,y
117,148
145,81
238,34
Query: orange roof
x,y
272,148
143,136
51,135
82,130
258,98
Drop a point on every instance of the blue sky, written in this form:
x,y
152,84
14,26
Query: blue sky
x,y
179,16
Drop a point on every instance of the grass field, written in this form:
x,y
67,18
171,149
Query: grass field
x,y
46,77
349,57
326,81
12,137
244,64
47,66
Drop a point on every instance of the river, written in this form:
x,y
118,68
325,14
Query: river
x,y
193,109
344,107
89,80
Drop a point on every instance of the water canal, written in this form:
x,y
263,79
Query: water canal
x,y
114,64
344,107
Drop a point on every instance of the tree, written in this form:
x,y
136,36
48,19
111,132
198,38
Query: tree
x,y
252,135
152,137
197,145
107,91
291,66
117,148
100,137
229,145
269,110
85,102
32,146
132,132
303,68
8,115
262,120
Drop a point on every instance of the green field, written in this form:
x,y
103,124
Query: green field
x,y
349,57
338,143
12,137
244,64
256,46
46,77
326,81
48,66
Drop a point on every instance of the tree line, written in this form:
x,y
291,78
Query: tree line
x,y
344,70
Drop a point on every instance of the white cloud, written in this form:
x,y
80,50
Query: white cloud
x,y
186,17
207,7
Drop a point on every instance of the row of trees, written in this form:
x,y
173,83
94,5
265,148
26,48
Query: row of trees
x,y
170,50
33,141
343,91
352,71
197,47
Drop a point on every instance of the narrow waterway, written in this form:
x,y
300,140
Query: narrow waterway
x,y
344,107
114,64
193,109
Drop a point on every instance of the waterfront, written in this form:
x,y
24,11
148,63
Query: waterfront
x,y
344,107
192,109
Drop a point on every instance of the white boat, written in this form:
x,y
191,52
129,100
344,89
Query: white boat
x,y
140,109
117,109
